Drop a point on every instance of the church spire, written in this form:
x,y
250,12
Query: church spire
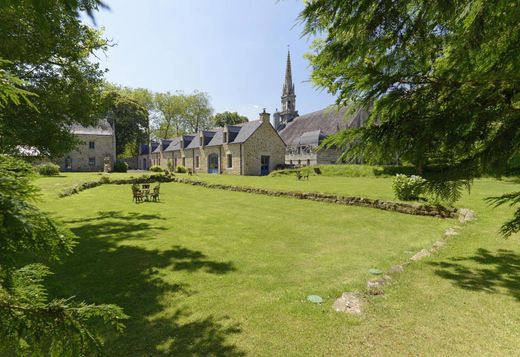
x,y
288,87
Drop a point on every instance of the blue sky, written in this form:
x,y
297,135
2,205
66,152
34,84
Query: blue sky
x,y
235,50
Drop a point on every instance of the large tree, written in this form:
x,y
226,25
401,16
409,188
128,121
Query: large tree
x,y
441,79
131,122
198,112
47,47
228,118
171,110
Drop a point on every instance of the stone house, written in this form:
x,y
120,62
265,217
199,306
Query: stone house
x,y
144,159
251,148
96,143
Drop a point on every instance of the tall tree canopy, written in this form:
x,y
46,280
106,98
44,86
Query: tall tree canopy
x,y
131,122
47,48
228,118
198,112
441,78
171,110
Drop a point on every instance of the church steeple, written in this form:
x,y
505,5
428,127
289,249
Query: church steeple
x,y
289,111
288,87
288,95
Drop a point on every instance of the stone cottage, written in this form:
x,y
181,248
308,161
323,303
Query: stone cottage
x,y
96,144
251,148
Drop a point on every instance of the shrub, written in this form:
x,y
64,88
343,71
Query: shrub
x,y
104,179
408,188
120,166
48,169
156,168
181,169
169,164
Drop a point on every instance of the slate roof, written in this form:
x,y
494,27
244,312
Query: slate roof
x,y
312,128
164,143
238,133
102,128
143,148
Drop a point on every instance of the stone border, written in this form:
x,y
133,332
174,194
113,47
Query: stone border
x,y
401,207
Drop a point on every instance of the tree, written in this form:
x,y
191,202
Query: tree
x,y
198,112
228,118
172,111
131,122
441,78
29,322
47,47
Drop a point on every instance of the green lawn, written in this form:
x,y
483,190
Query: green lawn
x,y
211,272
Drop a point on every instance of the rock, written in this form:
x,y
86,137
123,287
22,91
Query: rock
x,y
350,303
420,255
438,245
398,268
466,215
450,232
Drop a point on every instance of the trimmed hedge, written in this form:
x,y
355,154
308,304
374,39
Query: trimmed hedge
x,y
347,170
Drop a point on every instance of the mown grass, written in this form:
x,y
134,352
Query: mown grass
x,y
211,272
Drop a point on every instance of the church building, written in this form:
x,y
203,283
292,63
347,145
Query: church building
x,y
303,134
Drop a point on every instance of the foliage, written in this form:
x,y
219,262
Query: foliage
x,y
513,200
45,51
198,112
441,80
172,110
120,166
48,169
156,168
228,118
10,91
131,122
169,164
408,188
181,169
29,321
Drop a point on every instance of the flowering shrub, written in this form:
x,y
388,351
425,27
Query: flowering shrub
x,y
408,188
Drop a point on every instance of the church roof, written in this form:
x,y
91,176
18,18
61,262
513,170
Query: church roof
x,y
311,128
102,128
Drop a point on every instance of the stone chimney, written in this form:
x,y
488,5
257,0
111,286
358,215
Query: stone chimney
x,y
264,117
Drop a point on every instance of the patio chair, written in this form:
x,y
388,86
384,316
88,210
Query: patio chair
x,y
155,194
136,194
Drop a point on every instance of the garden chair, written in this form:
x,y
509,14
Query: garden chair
x,y
137,194
155,194
190,172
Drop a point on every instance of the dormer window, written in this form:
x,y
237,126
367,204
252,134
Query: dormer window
x,y
201,143
225,137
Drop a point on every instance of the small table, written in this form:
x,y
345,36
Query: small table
x,y
146,191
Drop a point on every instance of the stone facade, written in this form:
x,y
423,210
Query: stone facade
x,y
251,148
96,144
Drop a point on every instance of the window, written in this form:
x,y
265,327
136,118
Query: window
x,y
200,142
91,145
229,161
299,162
91,161
308,162
68,163
225,137
183,161
290,162
197,161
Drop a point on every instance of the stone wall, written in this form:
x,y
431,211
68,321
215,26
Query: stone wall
x,y
264,141
79,159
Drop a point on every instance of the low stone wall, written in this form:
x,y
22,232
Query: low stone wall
x,y
106,181
401,207
407,208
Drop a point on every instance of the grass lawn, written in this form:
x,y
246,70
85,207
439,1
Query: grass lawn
x,y
211,272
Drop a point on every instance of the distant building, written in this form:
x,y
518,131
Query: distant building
x,y
251,148
97,143
144,159
303,134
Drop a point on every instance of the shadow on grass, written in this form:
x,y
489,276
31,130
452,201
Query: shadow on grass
x,y
493,272
102,271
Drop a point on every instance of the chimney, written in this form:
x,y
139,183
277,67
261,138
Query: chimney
x,y
264,117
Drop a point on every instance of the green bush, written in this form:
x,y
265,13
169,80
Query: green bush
x,y
156,168
120,166
408,188
48,169
180,169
